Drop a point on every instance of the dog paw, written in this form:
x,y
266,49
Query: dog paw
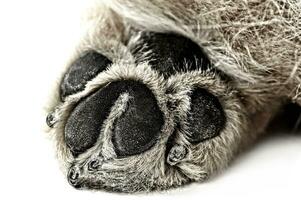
x,y
125,115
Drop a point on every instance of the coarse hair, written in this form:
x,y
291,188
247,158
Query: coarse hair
x,y
256,43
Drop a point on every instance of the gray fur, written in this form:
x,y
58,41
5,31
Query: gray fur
x,y
257,43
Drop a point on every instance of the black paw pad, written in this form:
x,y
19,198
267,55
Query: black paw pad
x,y
81,71
136,129
206,117
170,53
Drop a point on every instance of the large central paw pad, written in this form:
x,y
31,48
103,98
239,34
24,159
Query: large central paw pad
x,y
135,130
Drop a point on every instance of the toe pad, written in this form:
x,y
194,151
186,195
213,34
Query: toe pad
x,y
206,117
81,71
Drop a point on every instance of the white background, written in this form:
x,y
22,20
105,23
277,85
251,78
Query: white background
x,y
36,38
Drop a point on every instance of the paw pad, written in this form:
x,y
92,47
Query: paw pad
x,y
135,130
206,117
81,71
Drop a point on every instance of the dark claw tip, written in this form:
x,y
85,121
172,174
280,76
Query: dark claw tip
x,y
176,154
94,164
50,120
73,177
